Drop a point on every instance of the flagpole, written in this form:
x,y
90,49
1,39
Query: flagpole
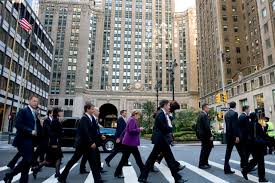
x,y
11,63
22,73
25,74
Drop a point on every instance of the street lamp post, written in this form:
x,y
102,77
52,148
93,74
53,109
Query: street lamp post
x,y
172,74
157,90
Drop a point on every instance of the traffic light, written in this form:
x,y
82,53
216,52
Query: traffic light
x,y
225,97
220,116
218,98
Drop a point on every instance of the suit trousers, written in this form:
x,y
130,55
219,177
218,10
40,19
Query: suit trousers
x,y
85,159
240,148
164,148
26,150
127,151
90,154
14,160
206,147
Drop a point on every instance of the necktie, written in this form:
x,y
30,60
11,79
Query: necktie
x,y
34,117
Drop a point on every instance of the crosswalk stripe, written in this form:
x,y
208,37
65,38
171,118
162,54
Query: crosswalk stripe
x,y
269,163
17,177
90,178
52,179
165,171
203,173
267,170
129,174
266,162
3,168
237,172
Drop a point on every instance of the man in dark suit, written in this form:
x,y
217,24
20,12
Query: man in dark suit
x,y
28,130
205,136
160,131
233,138
121,124
98,143
85,144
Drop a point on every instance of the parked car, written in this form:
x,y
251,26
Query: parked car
x,y
69,125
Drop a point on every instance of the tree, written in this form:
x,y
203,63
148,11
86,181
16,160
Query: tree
x,y
148,109
185,120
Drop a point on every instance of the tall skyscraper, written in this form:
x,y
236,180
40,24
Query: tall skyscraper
x,y
126,59
244,32
28,70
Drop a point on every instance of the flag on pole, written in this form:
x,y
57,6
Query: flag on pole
x,y
24,24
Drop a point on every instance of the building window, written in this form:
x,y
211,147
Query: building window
x,y
243,102
273,5
267,43
235,18
236,29
71,102
183,106
266,27
56,101
66,101
51,101
264,13
272,78
245,87
224,7
259,102
261,82
238,49
273,96
270,60
225,28
224,17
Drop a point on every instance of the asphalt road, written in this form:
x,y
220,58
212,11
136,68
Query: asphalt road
x,y
186,154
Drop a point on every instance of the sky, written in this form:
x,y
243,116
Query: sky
x,y
182,5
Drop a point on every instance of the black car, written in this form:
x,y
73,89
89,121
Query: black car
x,y
69,126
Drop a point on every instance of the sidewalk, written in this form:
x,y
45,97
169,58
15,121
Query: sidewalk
x,y
4,137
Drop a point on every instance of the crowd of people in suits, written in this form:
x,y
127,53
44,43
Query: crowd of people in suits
x,y
247,132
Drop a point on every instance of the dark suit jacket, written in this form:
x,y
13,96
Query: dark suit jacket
x,y
55,132
87,133
121,124
203,126
161,128
232,124
24,124
244,127
46,131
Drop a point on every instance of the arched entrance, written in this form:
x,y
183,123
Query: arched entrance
x,y
108,115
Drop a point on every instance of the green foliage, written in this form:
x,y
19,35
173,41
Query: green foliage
x,y
148,109
186,120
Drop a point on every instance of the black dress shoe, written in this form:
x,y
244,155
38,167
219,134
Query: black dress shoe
x,y
142,180
209,166
180,167
107,163
103,171
120,176
154,170
229,172
61,180
204,167
57,175
181,180
7,178
245,175
83,171
263,180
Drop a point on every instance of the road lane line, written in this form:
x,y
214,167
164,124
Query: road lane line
x,y
237,172
52,179
3,168
266,162
129,174
165,172
203,173
90,178
266,170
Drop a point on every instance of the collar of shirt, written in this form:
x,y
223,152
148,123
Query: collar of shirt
x,y
164,111
204,112
50,118
90,117
33,111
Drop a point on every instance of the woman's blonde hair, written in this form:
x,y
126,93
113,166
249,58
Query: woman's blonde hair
x,y
134,112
